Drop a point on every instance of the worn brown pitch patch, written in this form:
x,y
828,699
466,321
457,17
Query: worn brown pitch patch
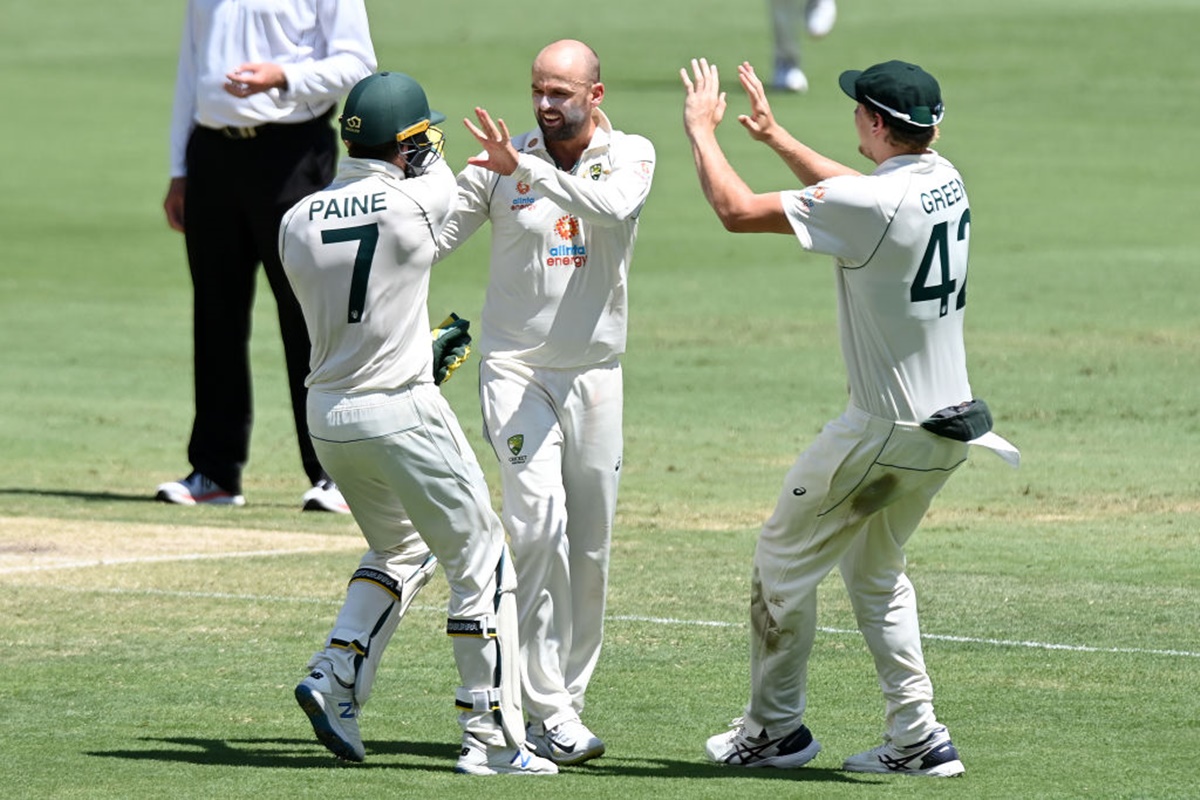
x,y
31,544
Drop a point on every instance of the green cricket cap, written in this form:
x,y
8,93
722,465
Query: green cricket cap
x,y
901,90
385,107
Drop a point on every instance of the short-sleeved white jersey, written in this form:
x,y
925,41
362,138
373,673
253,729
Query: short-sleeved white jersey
x,y
561,247
899,239
358,254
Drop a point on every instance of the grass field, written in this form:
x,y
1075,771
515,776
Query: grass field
x,y
151,651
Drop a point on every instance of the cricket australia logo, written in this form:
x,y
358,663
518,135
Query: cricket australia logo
x,y
596,171
515,443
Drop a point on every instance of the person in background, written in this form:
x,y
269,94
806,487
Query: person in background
x,y
819,16
250,135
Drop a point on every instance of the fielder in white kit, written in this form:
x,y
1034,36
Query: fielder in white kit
x,y
899,238
358,255
563,200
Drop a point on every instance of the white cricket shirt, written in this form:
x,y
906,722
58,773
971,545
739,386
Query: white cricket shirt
x,y
358,255
899,239
562,243
324,47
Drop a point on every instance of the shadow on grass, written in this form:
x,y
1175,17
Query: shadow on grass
x,y
145,497
307,754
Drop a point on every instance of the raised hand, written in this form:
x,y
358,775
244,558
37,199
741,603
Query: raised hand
x,y
704,103
759,122
499,154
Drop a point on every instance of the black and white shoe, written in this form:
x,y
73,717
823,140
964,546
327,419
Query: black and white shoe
x,y
739,747
934,756
570,742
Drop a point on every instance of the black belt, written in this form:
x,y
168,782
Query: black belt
x,y
230,132
251,131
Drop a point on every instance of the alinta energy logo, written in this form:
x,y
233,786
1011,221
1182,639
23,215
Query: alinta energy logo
x,y
523,200
515,443
570,254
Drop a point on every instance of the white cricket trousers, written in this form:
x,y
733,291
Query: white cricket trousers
x,y
414,485
557,435
851,500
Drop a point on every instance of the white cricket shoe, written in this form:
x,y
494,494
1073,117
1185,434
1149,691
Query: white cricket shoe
x,y
569,742
478,758
790,79
934,756
197,489
819,16
325,496
739,748
332,711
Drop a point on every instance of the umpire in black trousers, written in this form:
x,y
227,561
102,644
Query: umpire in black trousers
x,y
251,135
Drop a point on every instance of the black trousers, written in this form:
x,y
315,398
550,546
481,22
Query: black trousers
x,y
237,192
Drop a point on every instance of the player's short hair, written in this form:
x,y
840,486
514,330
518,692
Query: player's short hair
x,y
904,137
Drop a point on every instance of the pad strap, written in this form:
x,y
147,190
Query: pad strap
x,y
477,699
378,578
482,626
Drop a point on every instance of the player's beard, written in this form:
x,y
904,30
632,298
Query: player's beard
x,y
573,122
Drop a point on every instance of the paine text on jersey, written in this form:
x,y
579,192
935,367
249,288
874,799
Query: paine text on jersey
x,y
332,207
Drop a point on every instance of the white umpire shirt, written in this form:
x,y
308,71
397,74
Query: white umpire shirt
x,y
324,47
358,255
561,247
899,239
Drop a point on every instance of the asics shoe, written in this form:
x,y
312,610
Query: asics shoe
x,y
934,756
197,489
478,758
333,713
567,743
819,16
325,496
740,748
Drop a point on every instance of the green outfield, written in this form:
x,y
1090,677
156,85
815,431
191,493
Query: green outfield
x,y
150,651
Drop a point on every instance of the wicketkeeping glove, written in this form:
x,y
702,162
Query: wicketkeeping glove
x,y
451,346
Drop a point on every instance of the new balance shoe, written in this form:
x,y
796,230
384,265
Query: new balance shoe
x,y
477,758
333,713
325,496
567,743
740,748
934,756
790,79
197,489
819,16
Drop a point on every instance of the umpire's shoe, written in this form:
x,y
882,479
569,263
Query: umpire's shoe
x,y
197,489
333,713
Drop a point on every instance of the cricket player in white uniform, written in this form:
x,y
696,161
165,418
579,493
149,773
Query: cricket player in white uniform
x,y
358,255
563,200
899,240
